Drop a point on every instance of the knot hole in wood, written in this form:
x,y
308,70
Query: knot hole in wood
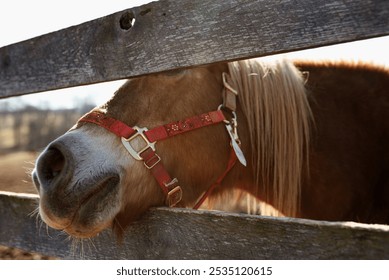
x,y
127,20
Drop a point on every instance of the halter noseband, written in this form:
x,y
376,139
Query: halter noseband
x,y
147,152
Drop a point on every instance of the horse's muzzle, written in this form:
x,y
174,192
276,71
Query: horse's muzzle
x,y
74,186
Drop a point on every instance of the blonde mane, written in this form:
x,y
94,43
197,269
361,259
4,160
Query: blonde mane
x,y
274,101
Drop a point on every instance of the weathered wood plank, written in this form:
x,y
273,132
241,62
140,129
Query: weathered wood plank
x,y
186,234
171,34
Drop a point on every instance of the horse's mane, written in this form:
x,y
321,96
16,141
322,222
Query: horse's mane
x,y
274,101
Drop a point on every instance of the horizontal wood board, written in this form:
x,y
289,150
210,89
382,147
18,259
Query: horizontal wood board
x,y
172,34
187,234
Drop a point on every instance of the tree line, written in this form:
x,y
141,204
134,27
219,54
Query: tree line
x,y
31,129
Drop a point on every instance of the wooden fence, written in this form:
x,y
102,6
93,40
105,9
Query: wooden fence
x,y
166,35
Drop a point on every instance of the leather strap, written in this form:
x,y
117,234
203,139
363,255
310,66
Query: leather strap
x,y
230,165
169,186
113,125
229,94
175,128
158,133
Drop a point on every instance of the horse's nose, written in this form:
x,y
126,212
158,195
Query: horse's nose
x,y
54,169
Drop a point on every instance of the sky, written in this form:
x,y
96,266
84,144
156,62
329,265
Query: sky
x,y
24,19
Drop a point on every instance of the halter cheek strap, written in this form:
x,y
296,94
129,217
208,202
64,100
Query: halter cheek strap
x,y
146,152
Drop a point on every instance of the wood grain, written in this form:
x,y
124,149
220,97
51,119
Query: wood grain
x,y
172,34
187,234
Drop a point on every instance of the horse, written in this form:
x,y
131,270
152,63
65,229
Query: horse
x,y
308,138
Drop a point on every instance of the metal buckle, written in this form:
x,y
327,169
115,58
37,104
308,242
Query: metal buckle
x,y
139,134
174,196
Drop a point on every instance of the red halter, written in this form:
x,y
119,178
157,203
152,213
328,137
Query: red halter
x,y
152,160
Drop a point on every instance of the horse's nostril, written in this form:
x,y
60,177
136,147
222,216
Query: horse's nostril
x,y
57,166
51,164
54,169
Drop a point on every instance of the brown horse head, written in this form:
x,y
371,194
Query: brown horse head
x,y
88,181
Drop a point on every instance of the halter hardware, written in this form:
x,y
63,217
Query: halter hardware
x,y
139,134
174,196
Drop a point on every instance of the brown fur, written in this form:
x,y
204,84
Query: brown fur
x,y
348,160
349,156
